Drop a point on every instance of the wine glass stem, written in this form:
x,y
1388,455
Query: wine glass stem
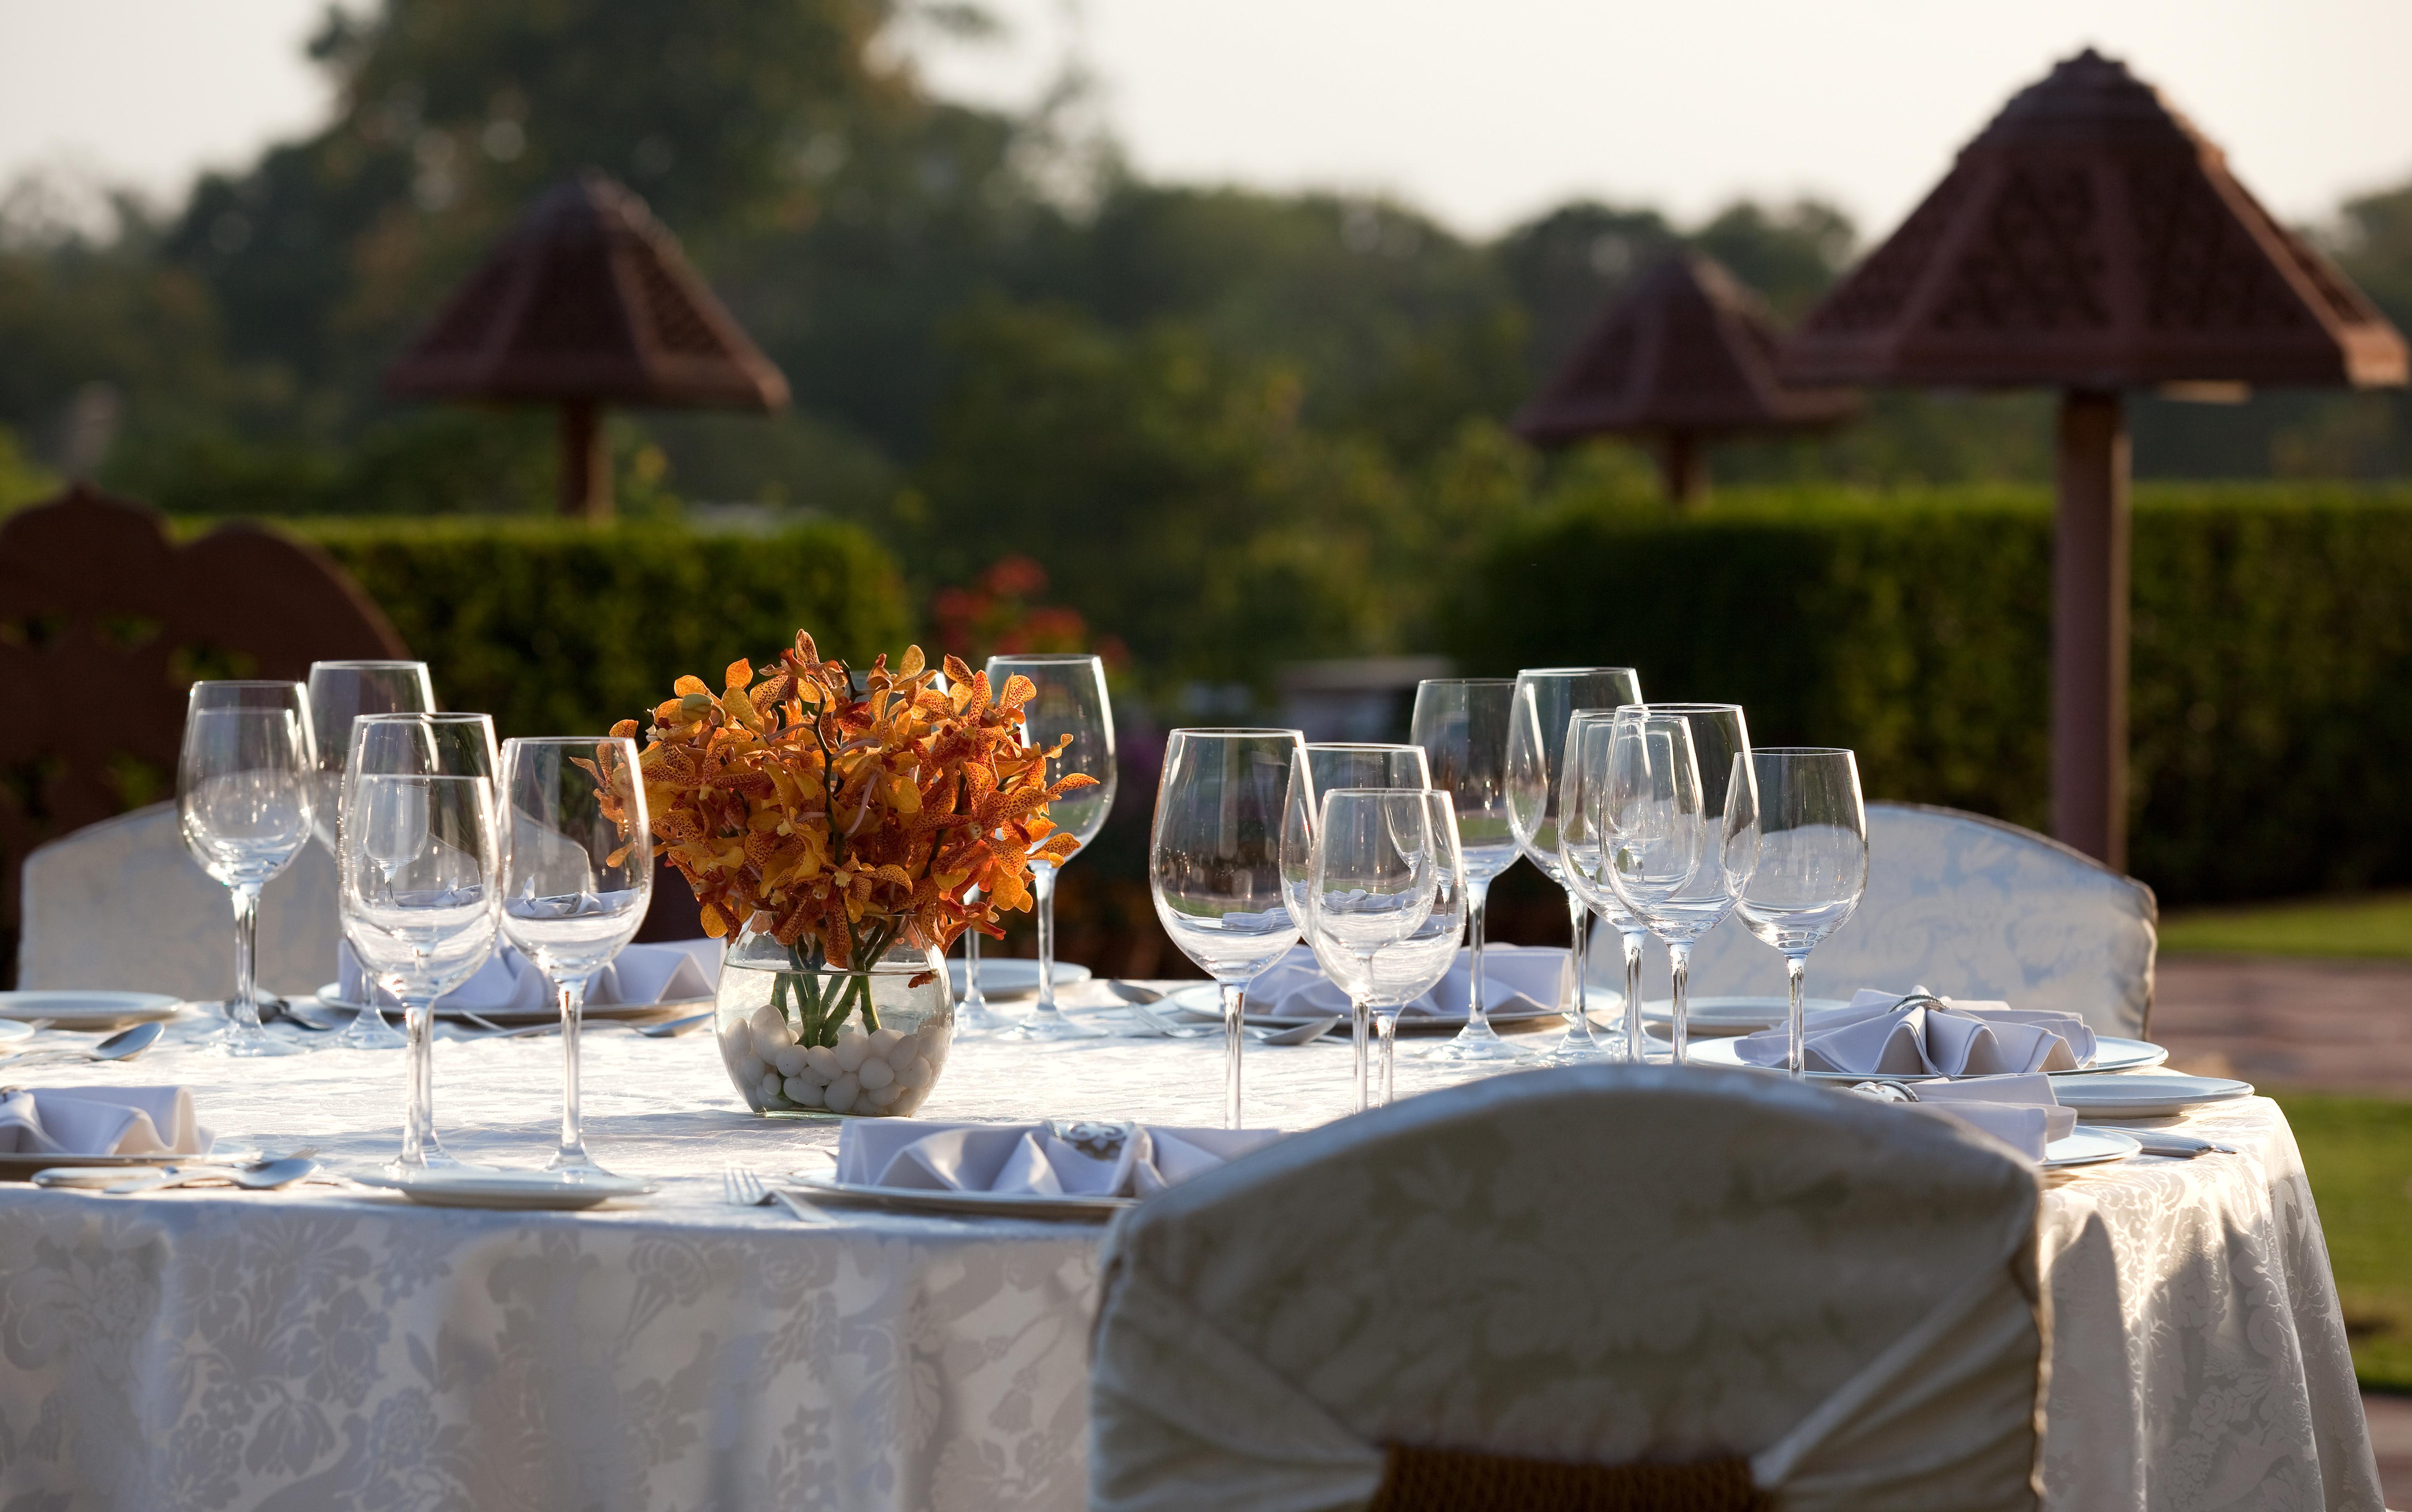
x,y
571,997
1388,1027
1360,1021
1679,954
418,1111
1579,1026
1232,1039
243,1010
1637,1044
1478,895
975,1001
1042,883
1796,1055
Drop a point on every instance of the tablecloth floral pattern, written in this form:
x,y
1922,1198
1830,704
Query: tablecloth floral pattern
x,y
337,1347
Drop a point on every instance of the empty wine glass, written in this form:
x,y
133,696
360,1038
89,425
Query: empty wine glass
x,y
1213,862
1679,823
1547,700
1070,705
576,873
1376,866
1813,858
1330,766
1414,965
341,692
1463,725
1584,863
973,1016
245,782
421,881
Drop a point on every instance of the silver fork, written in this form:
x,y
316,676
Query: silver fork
x,y
741,1188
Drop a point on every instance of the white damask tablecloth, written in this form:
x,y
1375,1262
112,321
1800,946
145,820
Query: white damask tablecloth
x,y
336,1347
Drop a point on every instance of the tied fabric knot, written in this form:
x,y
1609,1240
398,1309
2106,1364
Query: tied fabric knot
x,y
1459,1480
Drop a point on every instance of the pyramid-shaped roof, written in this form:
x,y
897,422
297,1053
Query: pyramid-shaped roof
x,y
588,297
1686,349
2091,237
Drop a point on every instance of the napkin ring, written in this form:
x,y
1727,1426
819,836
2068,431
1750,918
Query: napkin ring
x,y
1098,1138
1886,1092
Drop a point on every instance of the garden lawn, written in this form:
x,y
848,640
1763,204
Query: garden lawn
x,y
2358,1152
2365,924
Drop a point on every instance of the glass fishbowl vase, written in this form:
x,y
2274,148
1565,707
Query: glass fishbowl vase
x,y
805,1041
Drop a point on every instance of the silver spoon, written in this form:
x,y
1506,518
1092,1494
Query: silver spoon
x,y
121,1046
266,1176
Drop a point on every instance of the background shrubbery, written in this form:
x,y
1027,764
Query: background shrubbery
x,y
558,628
2272,707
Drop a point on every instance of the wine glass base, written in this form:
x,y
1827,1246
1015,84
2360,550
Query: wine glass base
x,y
370,1034
249,1043
1478,1045
1577,1049
1047,1028
579,1167
974,1020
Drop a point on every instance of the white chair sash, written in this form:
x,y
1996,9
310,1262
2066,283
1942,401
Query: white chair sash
x,y
1189,1414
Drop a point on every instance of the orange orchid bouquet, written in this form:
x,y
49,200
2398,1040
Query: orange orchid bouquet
x,y
839,824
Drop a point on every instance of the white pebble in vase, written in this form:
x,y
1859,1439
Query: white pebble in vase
x,y
802,1093
823,1061
875,1074
791,1060
842,1094
851,1048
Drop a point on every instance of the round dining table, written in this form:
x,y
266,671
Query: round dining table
x,y
337,1346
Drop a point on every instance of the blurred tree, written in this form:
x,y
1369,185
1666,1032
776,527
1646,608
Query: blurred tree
x,y
1171,494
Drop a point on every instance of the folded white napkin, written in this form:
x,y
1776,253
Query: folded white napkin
x,y
1054,1159
509,982
1518,979
101,1121
2022,1110
1877,1036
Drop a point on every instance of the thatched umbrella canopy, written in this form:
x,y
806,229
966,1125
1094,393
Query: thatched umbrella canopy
x,y
587,301
2091,240
1684,356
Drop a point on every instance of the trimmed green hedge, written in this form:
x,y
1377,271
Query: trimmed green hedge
x,y
2271,703
560,628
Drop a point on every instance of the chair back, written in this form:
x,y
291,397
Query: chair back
x,y
105,623
1601,1266
1966,907
121,905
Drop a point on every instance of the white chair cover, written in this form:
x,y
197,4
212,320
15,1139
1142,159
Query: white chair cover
x,y
1596,1265
123,905
1968,907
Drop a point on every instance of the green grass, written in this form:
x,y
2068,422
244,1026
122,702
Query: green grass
x,y
2366,924
2359,1153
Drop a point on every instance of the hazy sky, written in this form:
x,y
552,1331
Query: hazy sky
x,y
1483,111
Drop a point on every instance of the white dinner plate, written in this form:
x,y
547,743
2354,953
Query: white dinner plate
x,y
984,1204
330,996
1204,1002
2152,1095
15,1167
87,1012
1733,1015
2089,1147
490,1187
1013,976
2109,1054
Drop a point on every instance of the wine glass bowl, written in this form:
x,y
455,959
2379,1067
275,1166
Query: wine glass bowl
x,y
576,873
421,875
1813,859
1332,765
1547,700
1381,858
1677,815
246,786
1215,862
1463,726
341,692
1068,704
